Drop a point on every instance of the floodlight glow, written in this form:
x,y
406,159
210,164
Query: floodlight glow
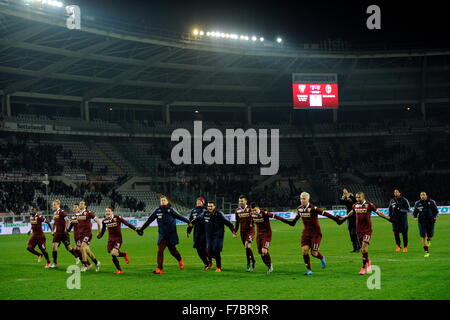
x,y
279,40
223,35
53,3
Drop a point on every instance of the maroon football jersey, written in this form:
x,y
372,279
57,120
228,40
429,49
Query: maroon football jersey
x,y
59,218
74,222
114,226
262,222
84,221
309,215
36,225
244,219
363,212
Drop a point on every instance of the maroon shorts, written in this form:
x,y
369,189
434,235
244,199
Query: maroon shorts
x,y
61,237
76,238
247,236
114,244
364,237
263,241
311,240
85,237
37,241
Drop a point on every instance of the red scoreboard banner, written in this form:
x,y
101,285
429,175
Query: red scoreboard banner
x,y
315,95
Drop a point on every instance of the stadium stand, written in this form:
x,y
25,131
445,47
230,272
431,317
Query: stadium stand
x,y
106,118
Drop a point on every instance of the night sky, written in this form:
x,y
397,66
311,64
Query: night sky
x,y
297,21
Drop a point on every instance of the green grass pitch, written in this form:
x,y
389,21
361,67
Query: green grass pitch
x,y
403,275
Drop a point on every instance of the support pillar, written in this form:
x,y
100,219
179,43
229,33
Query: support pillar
x,y
423,110
167,113
85,110
6,105
249,114
423,88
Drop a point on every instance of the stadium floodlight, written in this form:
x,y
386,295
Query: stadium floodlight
x,y
223,35
279,40
53,3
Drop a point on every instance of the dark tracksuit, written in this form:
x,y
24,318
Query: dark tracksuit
x,y
200,235
214,232
351,222
398,210
166,217
427,212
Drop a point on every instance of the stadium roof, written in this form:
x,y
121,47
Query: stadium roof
x,y
40,58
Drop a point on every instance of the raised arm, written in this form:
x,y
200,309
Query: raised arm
x,y
227,222
291,223
332,217
178,216
382,215
125,222
150,219
351,212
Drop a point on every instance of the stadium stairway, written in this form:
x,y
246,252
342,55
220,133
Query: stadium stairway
x,y
121,159
93,147
323,187
130,151
267,181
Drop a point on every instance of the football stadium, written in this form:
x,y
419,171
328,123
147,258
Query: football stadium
x,y
141,161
